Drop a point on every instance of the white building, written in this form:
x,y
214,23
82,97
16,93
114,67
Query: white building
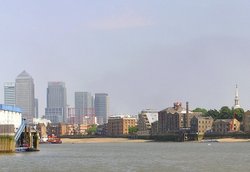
x,y
10,115
145,120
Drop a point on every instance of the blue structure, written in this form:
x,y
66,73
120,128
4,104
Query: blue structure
x,y
10,108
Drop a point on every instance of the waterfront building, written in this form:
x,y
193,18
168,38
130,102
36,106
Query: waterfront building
x,y
101,107
10,122
224,126
246,121
71,119
154,128
76,129
25,95
56,129
174,119
42,130
56,110
102,130
10,115
145,120
236,99
201,125
84,106
119,126
10,93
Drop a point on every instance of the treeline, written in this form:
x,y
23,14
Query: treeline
x,y
224,113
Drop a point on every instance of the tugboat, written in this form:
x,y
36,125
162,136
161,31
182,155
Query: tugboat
x,y
54,140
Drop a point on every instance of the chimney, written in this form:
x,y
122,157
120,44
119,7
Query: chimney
x,y
186,116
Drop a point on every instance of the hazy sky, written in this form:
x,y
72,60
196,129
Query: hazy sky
x,y
144,54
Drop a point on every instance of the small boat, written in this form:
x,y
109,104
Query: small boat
x,y
54,140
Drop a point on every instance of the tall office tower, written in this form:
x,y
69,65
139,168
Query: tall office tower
x,y
36,108
101,107
83,105
25,95
9,93
56,110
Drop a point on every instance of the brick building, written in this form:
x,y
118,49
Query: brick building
x,y
201,125
224,126
246,121
174,119
118,126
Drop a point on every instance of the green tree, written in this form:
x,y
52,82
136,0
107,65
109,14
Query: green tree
x,y
132,130
92,129
215,114
238,113
226,113
202,110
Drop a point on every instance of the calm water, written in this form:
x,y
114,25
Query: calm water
x,y
126,157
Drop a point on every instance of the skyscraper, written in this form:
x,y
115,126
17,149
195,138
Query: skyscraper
x,y
36,108
9,93
56,102
83,105
101,107
25,95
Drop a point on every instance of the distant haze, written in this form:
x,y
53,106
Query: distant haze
x,y
144,54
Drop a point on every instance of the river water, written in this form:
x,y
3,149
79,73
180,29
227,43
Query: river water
x,y
131,157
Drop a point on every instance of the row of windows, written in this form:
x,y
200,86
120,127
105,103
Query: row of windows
x,y
205,122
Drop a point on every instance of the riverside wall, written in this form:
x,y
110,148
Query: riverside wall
x,y
7,144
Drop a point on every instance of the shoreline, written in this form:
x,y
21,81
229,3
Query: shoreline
x,y
103,140
127,140
232,140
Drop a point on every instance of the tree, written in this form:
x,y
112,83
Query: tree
x,y
226,113
213,113
132,130
202,110
238,113
92,129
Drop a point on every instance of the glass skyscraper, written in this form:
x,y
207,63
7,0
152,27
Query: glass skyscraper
x,y
56,102
83,105
9,93
102,107
25,95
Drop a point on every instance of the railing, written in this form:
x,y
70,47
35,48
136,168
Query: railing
x,y
20,130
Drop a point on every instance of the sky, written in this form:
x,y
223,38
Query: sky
x,y
143,53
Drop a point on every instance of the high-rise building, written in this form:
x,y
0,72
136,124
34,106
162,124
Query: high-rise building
x,y
25,95
36,108
83,105
56,110
9,93
101,107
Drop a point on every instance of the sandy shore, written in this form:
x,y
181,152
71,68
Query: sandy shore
x,y
102,140
232,140
126,140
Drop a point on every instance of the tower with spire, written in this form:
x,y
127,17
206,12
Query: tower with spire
x,y
236,99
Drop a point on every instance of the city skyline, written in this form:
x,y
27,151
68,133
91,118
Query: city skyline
x,y
144,55
8,87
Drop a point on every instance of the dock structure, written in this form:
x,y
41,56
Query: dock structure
x,y
15,133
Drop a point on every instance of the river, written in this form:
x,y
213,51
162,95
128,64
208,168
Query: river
x,y
131,157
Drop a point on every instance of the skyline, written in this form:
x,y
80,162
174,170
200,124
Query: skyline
x,y
143,54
